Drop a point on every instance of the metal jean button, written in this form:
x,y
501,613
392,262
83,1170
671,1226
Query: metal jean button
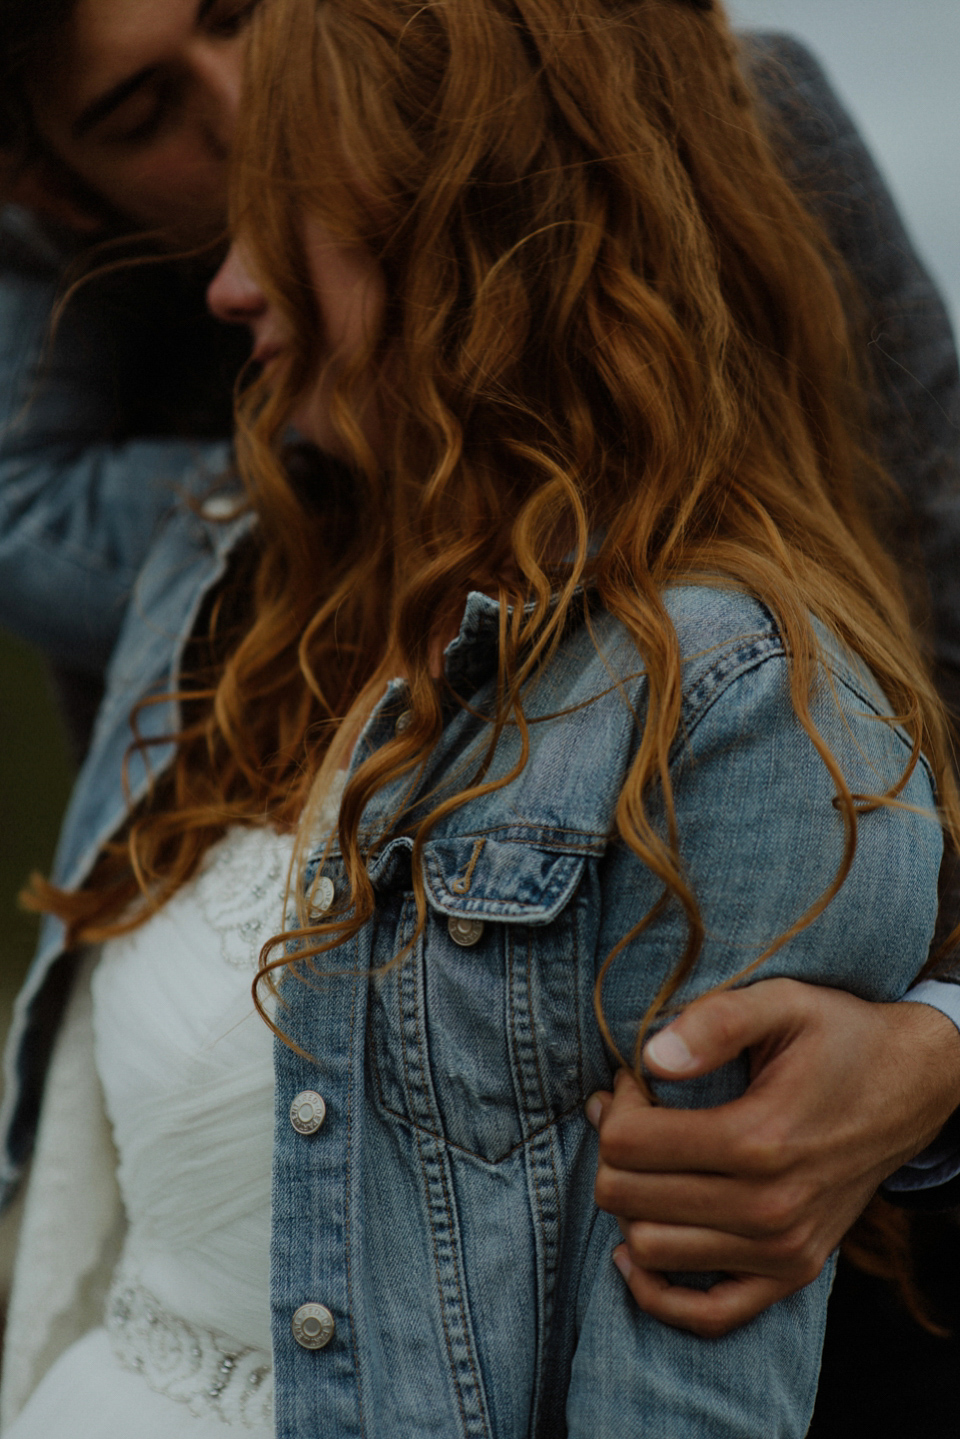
x,y
307,1112
312,1326
324,894
465,932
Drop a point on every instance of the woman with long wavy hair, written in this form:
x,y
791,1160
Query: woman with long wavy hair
x,y
577,685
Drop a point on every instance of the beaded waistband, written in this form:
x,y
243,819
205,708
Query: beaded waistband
x,y
198,1367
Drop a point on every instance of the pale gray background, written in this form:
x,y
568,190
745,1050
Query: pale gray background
x,y
896,64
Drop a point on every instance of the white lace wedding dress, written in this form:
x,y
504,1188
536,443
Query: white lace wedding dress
x,y
186,1069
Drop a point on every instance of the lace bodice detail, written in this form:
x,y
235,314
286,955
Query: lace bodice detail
x,y
186,1067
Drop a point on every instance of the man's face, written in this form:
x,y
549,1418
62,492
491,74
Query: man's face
x,y
140,103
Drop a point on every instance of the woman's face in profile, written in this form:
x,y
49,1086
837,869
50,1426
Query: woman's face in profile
x,y
349,291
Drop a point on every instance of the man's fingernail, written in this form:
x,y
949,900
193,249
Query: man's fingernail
x,y
594,1110
622,1260
668,1051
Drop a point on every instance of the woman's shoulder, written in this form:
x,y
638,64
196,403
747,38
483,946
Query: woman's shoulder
x,y
735,679
587,713
758,803
722,633
736,684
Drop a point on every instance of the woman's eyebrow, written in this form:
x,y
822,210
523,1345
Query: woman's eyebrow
x,y
111,100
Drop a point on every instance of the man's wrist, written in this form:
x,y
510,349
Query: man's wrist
x,y
941,994
932,1178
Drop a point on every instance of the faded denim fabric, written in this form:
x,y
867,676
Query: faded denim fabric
x,y
444,1212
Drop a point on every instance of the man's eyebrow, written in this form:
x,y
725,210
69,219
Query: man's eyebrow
x,y
105,104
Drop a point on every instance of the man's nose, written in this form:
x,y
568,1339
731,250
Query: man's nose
x,y
233,295
218,68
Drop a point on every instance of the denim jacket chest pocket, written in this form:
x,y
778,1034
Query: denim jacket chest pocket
x,y
480,1035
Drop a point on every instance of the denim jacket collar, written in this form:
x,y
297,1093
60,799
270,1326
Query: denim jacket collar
x,y
517,853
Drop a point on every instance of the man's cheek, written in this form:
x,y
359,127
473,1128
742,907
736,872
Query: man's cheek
x,y
178,183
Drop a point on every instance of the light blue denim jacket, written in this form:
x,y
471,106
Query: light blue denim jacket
x,y
444,1212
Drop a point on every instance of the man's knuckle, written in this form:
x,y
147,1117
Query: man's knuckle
x,y
617,1145
809,1271
792,1248
610,1190
713,1326
604,1187
807,1256
614,1153
775,1211
725,1020
768,1151
797,1255
642,1245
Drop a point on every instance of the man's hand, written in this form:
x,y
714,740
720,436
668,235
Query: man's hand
x,y
842,1093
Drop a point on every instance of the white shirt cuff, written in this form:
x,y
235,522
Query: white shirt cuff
x,y
940,1161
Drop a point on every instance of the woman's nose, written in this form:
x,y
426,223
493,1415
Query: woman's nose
x,y
233,295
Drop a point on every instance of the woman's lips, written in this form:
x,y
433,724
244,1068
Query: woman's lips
x,y
265,352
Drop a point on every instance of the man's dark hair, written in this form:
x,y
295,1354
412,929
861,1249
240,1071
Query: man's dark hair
x,y
28,33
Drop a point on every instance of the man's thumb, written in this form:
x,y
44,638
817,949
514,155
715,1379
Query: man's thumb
x,y
716,1029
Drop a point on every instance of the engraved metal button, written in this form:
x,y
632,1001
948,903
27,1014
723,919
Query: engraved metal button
x,y
465,931
307,1112
312,1326
323,894
404,721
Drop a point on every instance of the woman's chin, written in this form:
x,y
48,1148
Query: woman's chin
x,y
318,429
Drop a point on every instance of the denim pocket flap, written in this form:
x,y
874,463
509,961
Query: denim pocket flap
x,y
477,877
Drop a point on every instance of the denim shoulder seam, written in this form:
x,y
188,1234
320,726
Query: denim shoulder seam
x,y
845,678
732,665
702,696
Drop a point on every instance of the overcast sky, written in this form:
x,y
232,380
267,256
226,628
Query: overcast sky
x,y
896,63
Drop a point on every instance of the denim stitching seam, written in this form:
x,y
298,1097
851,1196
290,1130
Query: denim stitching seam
x,y
463,1363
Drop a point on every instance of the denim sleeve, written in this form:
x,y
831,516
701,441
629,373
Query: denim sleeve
x,y
80,499
761,842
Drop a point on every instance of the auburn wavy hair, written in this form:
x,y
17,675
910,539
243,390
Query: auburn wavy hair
x,y
616,354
